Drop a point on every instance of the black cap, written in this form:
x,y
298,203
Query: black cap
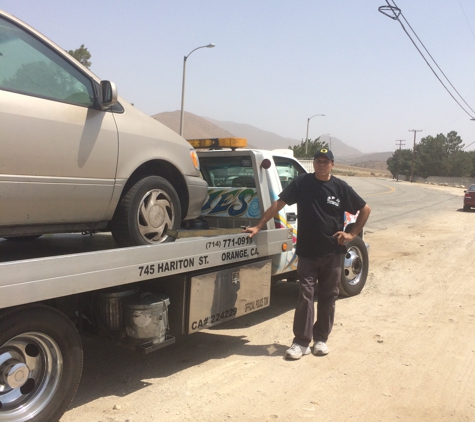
x,y
326,152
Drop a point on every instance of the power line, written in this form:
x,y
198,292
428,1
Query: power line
x,y
394,12
468,23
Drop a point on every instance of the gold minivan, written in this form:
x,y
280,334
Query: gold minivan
x,y
75,157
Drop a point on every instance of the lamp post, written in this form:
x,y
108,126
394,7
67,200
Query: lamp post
x,y
210,45
330,138
413,152
306,139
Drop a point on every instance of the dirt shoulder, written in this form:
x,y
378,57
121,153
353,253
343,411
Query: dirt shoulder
x,y
403,350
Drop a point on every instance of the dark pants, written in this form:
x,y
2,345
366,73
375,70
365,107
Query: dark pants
x,y
327,270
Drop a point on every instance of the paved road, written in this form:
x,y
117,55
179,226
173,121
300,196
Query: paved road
x,y
393,201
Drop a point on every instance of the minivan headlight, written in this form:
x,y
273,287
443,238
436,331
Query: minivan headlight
x,y
195,159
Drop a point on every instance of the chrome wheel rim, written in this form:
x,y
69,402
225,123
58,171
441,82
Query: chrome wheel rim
x,y
30,372
353,266
156,214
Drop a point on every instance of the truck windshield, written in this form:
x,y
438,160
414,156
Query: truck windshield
x,y
235,172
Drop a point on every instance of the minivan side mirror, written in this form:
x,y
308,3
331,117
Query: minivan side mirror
x,y
107,94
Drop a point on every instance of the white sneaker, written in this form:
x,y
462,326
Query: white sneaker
x,y
296,351
320,349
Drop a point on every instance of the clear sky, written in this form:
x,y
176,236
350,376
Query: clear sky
x,y
277,63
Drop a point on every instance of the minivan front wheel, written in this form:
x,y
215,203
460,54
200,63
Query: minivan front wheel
x,y
148,209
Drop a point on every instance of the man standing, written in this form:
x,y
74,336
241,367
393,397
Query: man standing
x,y
321,201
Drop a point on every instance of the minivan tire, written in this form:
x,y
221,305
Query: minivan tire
x,y
145,212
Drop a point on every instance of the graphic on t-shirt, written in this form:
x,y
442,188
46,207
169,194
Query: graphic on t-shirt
x,y
333,201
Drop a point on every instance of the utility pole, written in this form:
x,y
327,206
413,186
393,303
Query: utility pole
x,y
400,143
413,151
397,160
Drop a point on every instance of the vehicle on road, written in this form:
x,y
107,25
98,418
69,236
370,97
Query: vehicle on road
x,y
76,157
469,198
146,297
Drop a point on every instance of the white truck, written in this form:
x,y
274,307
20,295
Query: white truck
x,y
145,297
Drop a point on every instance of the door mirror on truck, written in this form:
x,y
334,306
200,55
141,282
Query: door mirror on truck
x,y
108,94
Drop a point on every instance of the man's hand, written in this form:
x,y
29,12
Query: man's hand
x,y
343,237
270,212
252,230
363,214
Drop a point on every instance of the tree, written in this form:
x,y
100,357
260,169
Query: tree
x,y
82,55
311,148
400,162
471,156
432,157
442,156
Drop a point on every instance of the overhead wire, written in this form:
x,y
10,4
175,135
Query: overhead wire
x,y
468,23
397,12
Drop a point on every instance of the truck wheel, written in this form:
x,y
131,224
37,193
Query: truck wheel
x,y
147,210
40,364
355,268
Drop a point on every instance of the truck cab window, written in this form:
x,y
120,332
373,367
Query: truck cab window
x,y
288,170
28,67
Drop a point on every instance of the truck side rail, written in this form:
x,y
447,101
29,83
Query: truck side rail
x,y
33,280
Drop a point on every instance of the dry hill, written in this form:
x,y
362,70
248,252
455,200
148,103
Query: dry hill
x,y
194,127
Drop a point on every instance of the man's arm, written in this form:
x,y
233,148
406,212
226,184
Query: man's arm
x,y
270,212
363,215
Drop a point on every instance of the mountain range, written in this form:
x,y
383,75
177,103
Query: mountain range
x,y
196,127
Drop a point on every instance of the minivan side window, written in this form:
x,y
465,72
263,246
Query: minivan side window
x,y
27,66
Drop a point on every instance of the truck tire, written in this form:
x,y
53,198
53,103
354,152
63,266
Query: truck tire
x,y
355,268
147,210
40,364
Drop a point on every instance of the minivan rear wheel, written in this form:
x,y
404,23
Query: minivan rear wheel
x,y
149,208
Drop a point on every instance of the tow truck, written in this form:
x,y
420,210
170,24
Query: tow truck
x,y
147,297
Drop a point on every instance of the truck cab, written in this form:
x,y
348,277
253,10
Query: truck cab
x,y
243,183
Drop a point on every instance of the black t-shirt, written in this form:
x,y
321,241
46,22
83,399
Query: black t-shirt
x,y
320,211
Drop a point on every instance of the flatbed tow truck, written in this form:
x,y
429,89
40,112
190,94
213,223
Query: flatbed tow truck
x,y
145,297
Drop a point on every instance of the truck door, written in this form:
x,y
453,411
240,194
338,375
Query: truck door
x,y
287,170
58,155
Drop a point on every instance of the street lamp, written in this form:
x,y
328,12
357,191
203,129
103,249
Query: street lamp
x,y
329,136
210,45
413,152
306,139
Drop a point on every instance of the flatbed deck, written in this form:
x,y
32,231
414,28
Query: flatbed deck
x,y
40,278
